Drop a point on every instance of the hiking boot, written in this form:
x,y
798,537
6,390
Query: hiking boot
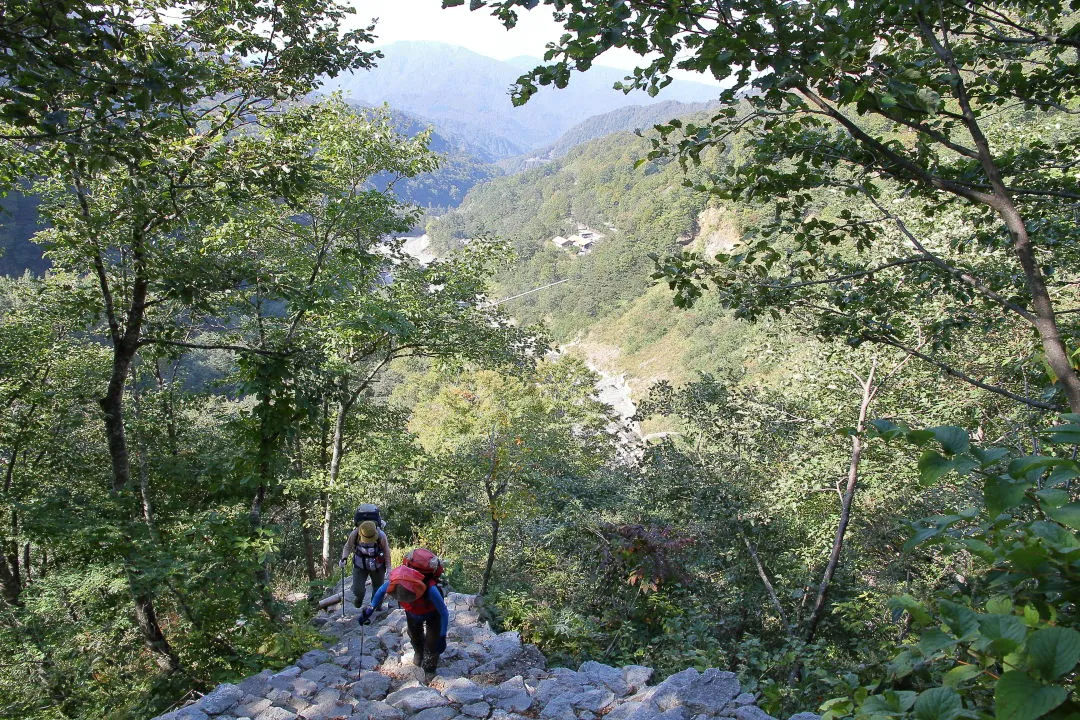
x,y
418,659
430,663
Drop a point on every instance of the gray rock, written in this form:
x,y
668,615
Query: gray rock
x,y
476,709
675,713
552,688
710,693
558,709
627,710
752,712
221,699
257,685
370,686
376,710
504,647
276,713
414,699
666,695
436,713
464,691
324,674
289,672
607,675
594,700
310,659
637,676
252,708
805,716
327,711
303,687
278,696
748,699
517,701
186,713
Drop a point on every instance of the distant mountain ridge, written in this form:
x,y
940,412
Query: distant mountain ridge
x,y
466,93
631,118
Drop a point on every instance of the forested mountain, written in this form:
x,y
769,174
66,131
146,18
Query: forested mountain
x,y
632,118
468,94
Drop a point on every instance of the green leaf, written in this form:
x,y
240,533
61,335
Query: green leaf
x,y
961,620
1052,497
1031,616
1068,515
953,440
989,456
1002,493
1068,434
1001,633
1054,651
978,548
902,603
960,674
999,605
1022,466
933,641
1057,537
940,703
1018,697
932,466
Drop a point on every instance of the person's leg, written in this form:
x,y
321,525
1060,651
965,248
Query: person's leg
x,y
359,581
378,577
416,636
432,626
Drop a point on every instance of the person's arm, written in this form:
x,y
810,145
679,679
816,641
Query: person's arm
x,y
377,598
350,544
444,615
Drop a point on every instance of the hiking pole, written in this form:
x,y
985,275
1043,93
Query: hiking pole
x,y
342,592
363,634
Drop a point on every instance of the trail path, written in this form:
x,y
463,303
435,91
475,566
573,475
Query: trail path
x,y
482,675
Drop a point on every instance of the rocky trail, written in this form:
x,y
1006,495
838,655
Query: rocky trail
x,y
482,675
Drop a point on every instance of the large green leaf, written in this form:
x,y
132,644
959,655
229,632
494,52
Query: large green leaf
x,y
1002,493
1019,697
953,440
1054,651
933,641
1068,515
940,703
1001,634
961,620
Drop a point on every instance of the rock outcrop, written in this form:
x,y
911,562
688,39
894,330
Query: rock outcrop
x,y
482,675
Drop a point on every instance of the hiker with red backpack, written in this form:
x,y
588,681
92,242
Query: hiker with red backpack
x,y
369,549
415,585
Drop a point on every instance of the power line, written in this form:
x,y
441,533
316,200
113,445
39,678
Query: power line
x,y
530,292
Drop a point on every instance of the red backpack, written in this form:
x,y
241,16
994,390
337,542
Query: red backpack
x,y
425,562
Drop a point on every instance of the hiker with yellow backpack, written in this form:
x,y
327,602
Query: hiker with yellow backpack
x,y
415,585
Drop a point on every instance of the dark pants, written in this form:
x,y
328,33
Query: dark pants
x,y
359,579
424,635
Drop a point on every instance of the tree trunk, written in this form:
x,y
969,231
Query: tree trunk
x,y
337,448
324,500
868,392
112,406
768,584
491,555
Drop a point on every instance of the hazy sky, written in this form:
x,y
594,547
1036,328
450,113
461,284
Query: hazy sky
x,y
477,31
